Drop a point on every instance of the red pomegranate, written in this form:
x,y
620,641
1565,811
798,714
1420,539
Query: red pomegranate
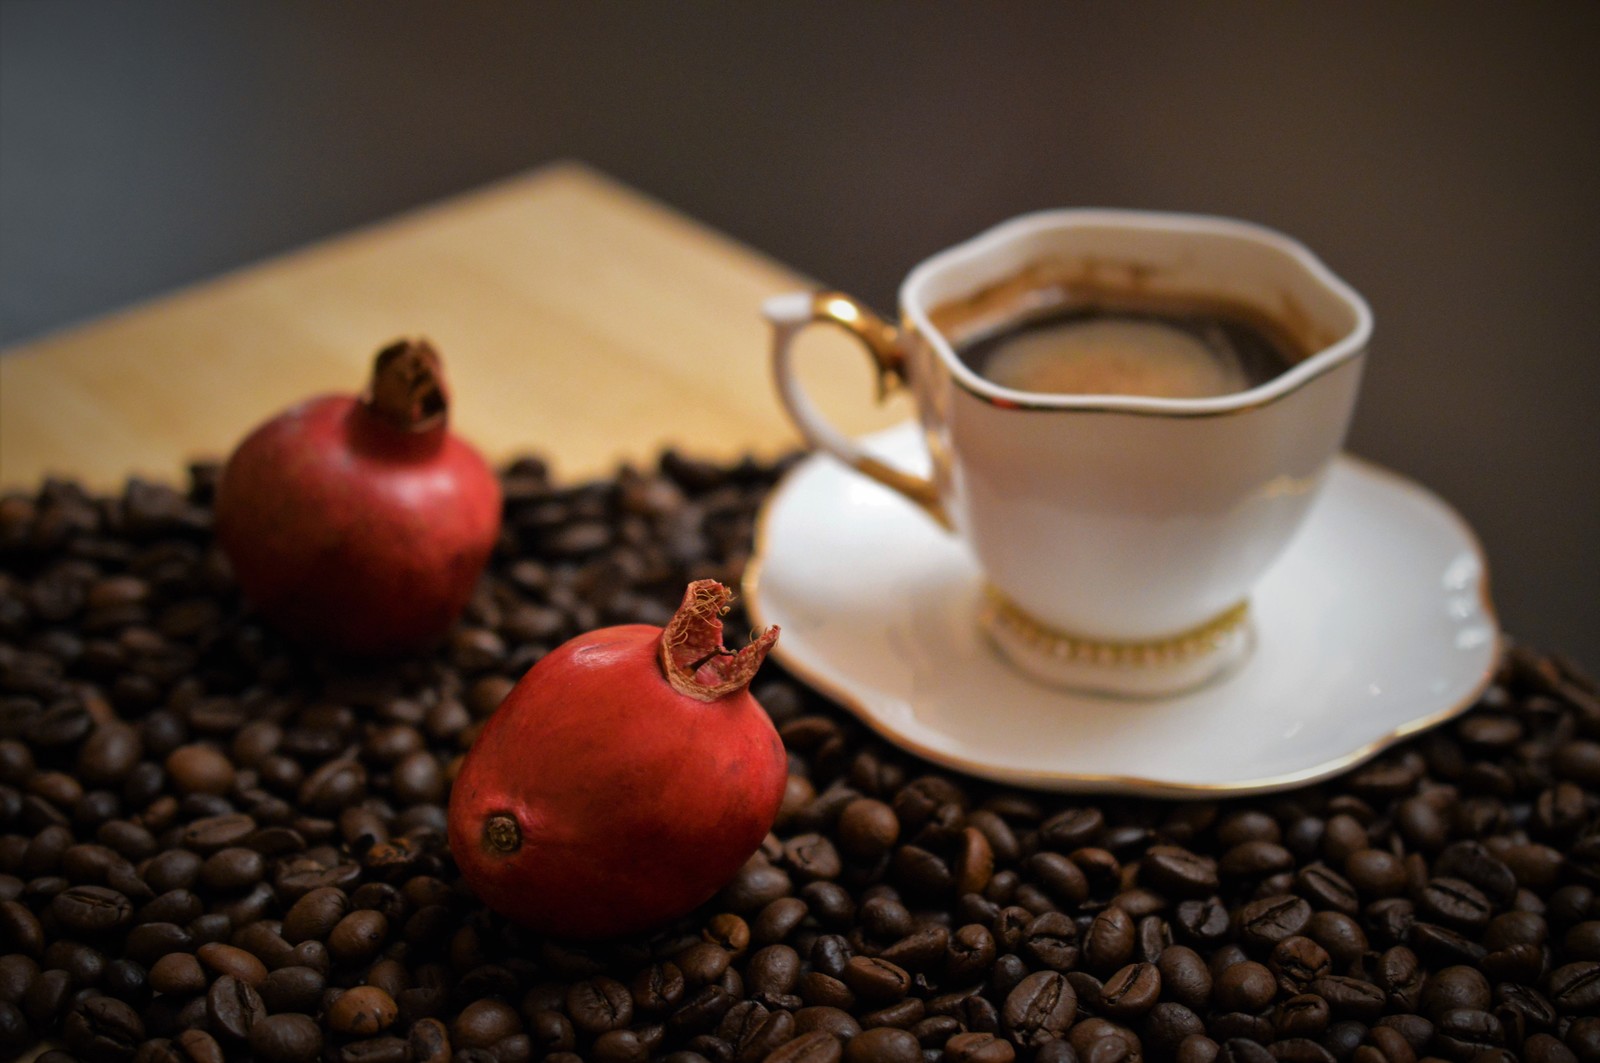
x,y
361,524
623,780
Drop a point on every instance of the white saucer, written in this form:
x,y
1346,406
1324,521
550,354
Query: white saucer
x,y
1375,624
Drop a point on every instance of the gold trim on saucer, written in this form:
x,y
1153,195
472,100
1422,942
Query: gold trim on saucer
x,y
1201,639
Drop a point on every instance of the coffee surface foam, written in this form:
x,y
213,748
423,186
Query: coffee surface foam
x,y
1114,356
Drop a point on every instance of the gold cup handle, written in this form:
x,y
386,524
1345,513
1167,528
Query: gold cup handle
x,y
790,315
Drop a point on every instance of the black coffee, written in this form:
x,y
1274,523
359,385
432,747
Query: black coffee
x,y
1172,352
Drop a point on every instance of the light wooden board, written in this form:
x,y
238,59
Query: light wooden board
x,y
577,318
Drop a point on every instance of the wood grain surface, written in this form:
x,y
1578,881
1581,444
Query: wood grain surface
x,y
577,319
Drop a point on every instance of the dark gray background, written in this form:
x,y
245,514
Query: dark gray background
x,y
1443,158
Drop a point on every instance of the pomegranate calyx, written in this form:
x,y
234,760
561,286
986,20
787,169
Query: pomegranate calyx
x,y
501,834
692,656
408,389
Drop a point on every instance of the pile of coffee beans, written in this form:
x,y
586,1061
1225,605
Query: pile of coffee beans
x,y
216,845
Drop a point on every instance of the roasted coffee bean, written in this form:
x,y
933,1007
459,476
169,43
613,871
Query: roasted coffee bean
x,y
761,1034
17,972
548,1030
777,920
1350,997
814,1047
657,989
601,1004
362,1011
91,909
294,988
727,931
1051,940
1246,986
978,1048
1400,974
1543,1048
919,950
233,1007
1515,928
1185,976
1109,942
1455,988
922,872
1575,987
1042,1007
973,1010
103,1028
1130,992
832,1021
1471,861
1326,889
483,1023
1168,1025
1298,961
934,1030
1304,1015
1059,877
1456,903
830,954
316,914
812,856
754,886
830,903
200,769
1009,971
1583,1037
1375,873
198,1046
178,973
1340,935
386,1049
874,979
970,954
1100,1039
226,959
172,869
773,970
44,1000
287,1038
211,833
1247,825
1101,866
1072,829
702,963
358,936
1522,1010
1154,935
1178,872
1466,1033
821,990
1010,925
1202,922
1255,859
1583,940
883,1045
86,965
232,869
1262,924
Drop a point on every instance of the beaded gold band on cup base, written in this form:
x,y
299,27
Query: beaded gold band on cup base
x,y
1142,669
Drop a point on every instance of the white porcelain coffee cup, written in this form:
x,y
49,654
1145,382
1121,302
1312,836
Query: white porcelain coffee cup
x,y
1120,535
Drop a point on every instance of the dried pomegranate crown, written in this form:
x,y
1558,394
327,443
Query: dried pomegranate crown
x,y
692,655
